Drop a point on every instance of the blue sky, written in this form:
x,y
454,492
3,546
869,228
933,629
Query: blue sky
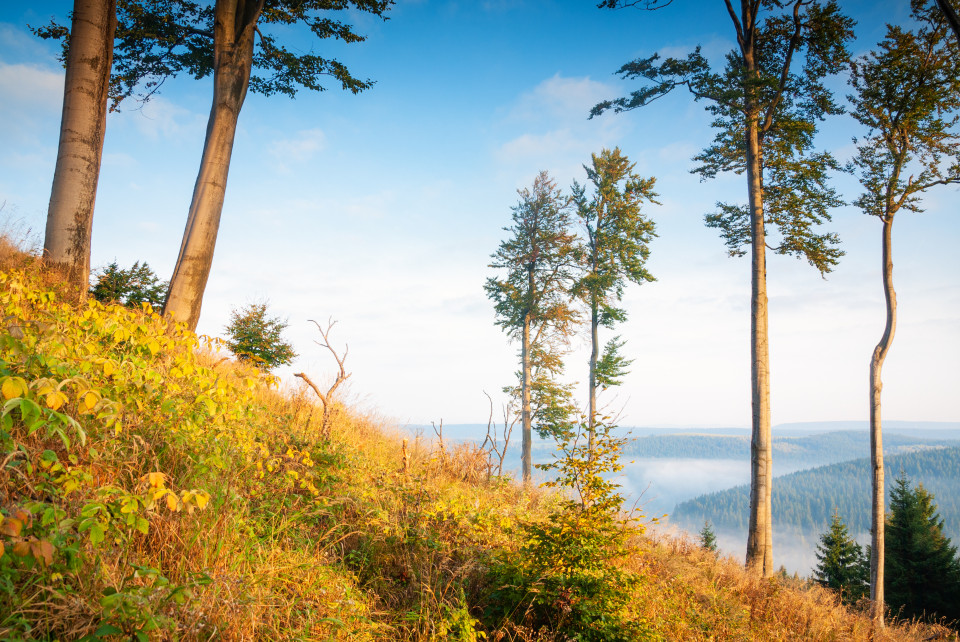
x,y
381,210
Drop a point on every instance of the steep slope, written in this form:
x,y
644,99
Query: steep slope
x,y
152,489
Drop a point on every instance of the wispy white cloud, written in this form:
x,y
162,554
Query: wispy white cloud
x,y
159,118
297,149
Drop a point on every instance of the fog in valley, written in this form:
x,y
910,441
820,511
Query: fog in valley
x,y
655,485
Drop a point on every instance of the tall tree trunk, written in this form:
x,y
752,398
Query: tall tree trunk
x,y
83,124
951,15
876,433
234,30
760,529
594,355
525,411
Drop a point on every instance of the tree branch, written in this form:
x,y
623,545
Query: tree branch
x,y
785,71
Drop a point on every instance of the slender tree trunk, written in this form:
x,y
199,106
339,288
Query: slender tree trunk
x,y
83,124
234,30
594,355
760,533
876,433
525,412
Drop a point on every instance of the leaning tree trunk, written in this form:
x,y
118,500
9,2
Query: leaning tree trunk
x,y
525,410
83,124
234,30
760,533
876,433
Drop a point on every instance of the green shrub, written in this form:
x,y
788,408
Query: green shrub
x,y
256,337
565,578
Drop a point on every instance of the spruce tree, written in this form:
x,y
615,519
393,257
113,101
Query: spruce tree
x,y
907,95
841,563
708,539
923,572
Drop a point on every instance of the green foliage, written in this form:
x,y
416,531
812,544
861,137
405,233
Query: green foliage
x,y
922,576
708,539
157,39
841,563
617,233
131,287
256,337
612,366
783,103
531,298
907,93
566,577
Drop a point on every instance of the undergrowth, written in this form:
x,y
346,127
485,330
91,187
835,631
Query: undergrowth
x,y
151,489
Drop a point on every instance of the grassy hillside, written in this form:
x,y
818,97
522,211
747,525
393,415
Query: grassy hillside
x,y
152,489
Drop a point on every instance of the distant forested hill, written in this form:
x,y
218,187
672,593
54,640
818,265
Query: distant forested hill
x,y
804,501
811,450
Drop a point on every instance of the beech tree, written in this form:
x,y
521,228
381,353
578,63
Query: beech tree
x,y
532,303
157,39
907,95
950,14
766,103
614,250
88,61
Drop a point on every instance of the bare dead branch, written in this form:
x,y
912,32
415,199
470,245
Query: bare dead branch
x,y
342,375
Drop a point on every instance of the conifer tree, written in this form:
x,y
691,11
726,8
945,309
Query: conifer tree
x,y
841,564
532,304
613,250
907,94
708,539
256,337
131,287
923,571
766,103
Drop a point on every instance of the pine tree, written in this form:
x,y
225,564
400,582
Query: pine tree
x,y
708,539
841,563
131,287
923,571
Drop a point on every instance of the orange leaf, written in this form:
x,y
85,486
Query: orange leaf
x,y
155,479
11,526
21,548
172,502
42,550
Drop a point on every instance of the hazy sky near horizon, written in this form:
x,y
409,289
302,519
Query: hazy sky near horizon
x,y
381,211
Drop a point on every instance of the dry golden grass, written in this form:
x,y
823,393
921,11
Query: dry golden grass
x,y
359,536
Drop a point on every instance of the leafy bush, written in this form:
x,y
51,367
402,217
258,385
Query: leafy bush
x,y
257,338
566,577
131,287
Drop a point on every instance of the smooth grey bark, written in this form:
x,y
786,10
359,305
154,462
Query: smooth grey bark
x,y
526,413
760,528
876,432
234,31
592,387
66,243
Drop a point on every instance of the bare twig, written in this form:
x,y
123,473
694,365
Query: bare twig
x,y
327,398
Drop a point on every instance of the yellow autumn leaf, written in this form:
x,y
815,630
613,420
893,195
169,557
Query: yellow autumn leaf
x,y
109,367
153,346
172,502
202,500
89,399
11,388
56,399
155,479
